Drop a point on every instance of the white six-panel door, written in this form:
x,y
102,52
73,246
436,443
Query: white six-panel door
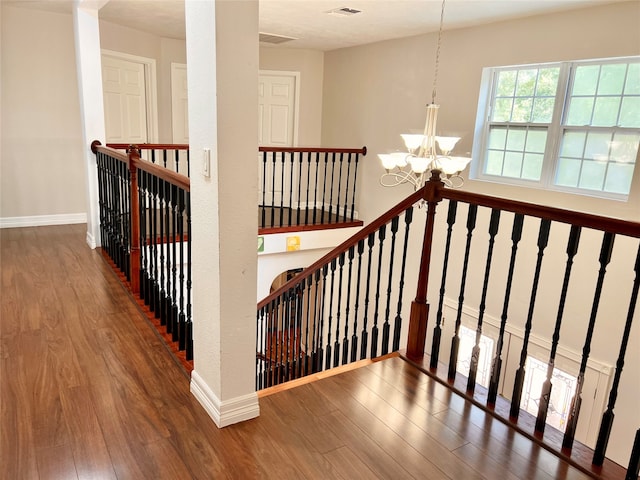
x,y
125,100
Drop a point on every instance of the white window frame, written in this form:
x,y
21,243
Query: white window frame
x,y
554,133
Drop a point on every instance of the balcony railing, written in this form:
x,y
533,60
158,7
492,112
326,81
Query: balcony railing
x,y
351,305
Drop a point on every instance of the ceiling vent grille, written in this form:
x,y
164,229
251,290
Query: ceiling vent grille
x,y
274,39
345,11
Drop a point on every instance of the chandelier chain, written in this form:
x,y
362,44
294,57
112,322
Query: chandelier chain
x,y
437,62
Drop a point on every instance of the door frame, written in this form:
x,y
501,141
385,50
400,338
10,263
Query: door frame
x,y
151,90
296,96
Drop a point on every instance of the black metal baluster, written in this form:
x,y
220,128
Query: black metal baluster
x,y
161,244
437,330
346,190
282,191
323,300
181,277
259,349
154,301
455,342
174,272
147,240
333,169
289,313
387,311
276,339
273,188
270,367
292,159
355,177
496,365
316,343
475,351
336,345
168,264
329,326
374,330
543,239
264,191
188,164
339,187
397,326
634,460
324,186
300,158
365,333
576,402
143,235
608,416
306,208
164,157
177,160
153,156
345,340
354,337
189,323
307,281
545,394
315,188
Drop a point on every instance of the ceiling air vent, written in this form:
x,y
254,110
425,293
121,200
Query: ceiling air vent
x,y
344,11
274,39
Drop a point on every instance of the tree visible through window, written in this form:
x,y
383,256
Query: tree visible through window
x,y
569,126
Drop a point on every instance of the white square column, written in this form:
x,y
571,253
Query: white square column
x,y
222,71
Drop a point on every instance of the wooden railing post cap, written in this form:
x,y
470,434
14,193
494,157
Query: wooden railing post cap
x,y
435,185
364,151
94,146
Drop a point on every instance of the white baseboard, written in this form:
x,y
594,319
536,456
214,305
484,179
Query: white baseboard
x,y
226,412
43,220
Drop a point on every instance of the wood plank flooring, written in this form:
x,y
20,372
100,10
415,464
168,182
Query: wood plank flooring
x,y
89,390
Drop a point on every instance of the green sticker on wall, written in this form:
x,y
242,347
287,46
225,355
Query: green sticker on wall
x,y
260,244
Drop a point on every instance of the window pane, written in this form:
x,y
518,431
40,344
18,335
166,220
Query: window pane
x,y
605,114
536,140
592,175
568,172
502,110
624,147
632,86
506,83
497,138
573,144
494,163
547,82
619,178
522,110
580,110
512,164
532,166
630,113
612,79
586,80
543,110
526,83
516,138
597,146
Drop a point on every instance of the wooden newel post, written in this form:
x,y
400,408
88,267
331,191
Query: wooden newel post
x,y
420,307
134,254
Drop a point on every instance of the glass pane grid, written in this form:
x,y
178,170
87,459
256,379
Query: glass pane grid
x,y
525,95
516,152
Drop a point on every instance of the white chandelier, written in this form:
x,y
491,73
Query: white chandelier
x,y
421,158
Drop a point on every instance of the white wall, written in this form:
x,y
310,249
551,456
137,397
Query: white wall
x,y
41,164
373,93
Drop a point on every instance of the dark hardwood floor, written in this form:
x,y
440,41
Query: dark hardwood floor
x,y
89,391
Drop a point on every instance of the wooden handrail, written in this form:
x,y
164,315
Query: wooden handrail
x,y
150,146
160,172
362,150
361,235
587,220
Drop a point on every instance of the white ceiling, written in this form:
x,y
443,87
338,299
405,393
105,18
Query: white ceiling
x,y
308,22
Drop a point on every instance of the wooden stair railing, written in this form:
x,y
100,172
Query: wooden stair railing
x,y
342,310
145,224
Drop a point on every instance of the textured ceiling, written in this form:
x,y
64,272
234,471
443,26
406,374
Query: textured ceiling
x,y
309,22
